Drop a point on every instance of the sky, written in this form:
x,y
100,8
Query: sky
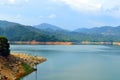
x,y
68,14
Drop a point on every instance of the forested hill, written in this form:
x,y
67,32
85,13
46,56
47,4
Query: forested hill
x,y
18,32
103,33
104,30
47,32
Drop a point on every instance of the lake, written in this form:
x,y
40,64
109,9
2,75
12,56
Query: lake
x,y
74,62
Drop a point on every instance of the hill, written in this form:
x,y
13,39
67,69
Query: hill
x,y
18,32
48,27
55,31
51,33
104,30
104,33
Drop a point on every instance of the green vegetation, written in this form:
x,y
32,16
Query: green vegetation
x,y
4,46
51,33
25,33
28,69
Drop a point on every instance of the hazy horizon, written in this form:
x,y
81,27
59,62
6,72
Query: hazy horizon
x,y
67,14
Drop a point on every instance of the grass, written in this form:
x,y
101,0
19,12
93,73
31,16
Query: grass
x,y
28,69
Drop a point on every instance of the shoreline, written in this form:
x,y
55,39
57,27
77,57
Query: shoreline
x,y
18,65
65,43
40,43
100,43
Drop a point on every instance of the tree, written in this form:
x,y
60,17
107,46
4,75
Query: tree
x,y
4,47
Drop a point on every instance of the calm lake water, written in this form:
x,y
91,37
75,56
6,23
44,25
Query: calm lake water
x,y
74,62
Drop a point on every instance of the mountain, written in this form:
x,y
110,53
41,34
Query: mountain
x,y
18,32
48,27
61,34
104,33
105,30
53,30
47,32
5,24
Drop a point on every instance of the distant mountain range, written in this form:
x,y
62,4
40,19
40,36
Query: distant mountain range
x,y
48,27
47,32
105,30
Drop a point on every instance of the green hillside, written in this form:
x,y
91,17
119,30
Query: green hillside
x,y
47,32
18,32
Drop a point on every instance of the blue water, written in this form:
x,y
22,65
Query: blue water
x,y
74,62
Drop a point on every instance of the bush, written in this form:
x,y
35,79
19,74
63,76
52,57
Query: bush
x,y
4,47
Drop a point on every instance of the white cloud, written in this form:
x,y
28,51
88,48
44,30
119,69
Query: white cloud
x,y
83,5
12,2
94,6
41,17
52,16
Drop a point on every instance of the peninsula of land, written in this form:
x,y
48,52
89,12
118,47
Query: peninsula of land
x,y
17,65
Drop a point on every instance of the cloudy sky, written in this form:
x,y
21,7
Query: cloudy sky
x,y
69,14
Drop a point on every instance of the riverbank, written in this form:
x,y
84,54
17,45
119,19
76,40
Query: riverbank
x,y
18,65
65,43
41,43
100,43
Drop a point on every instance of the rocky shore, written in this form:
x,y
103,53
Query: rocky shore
x,y
65,43
116,43
41,43
18,65
100,43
